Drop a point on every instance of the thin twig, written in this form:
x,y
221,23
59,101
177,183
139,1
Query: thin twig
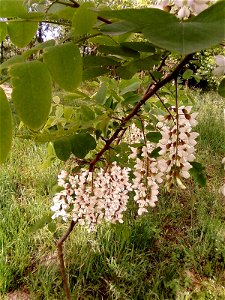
x,y
61,259
163,104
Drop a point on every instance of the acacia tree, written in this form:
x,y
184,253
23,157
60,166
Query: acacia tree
x,y
118,118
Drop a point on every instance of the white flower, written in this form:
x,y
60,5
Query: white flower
x,y
220,61
184,12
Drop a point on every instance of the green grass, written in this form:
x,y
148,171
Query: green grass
x,y
177,251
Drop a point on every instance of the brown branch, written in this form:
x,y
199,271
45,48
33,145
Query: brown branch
x,y
61,259
74,4
152,90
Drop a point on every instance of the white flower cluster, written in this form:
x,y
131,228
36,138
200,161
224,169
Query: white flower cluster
x,y
90,197
88,200
184,8
220,62
147,178
177,144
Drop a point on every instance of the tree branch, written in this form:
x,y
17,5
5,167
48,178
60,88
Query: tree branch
x,y
151,91
74,4
61,259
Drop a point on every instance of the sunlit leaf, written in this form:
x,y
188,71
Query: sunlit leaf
x,y
100,96
11,61
21,33
84,19
65,65
12,8
31,93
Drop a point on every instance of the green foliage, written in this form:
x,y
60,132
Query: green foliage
x,y
200,32
6,126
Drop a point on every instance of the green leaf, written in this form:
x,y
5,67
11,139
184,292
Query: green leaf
x,y
91,61
166,31
42,222
120,28
31,93
52,227
153,137
5,126
197,166
3,31
139,46
93,73
155,153
129,85
62,148
187,74
83,19
38,47
221,88
82,143
87,113
65,65
60,11
197,173
11,62
120,51
12,8
100,97
131,98
21,33
199,177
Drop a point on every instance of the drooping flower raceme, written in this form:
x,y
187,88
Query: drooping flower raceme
x,y
177,144
147,178
90,197
220,62
88,200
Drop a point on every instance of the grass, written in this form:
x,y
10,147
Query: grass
x,y
177,251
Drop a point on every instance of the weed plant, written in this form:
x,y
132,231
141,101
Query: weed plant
x,y
177,251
